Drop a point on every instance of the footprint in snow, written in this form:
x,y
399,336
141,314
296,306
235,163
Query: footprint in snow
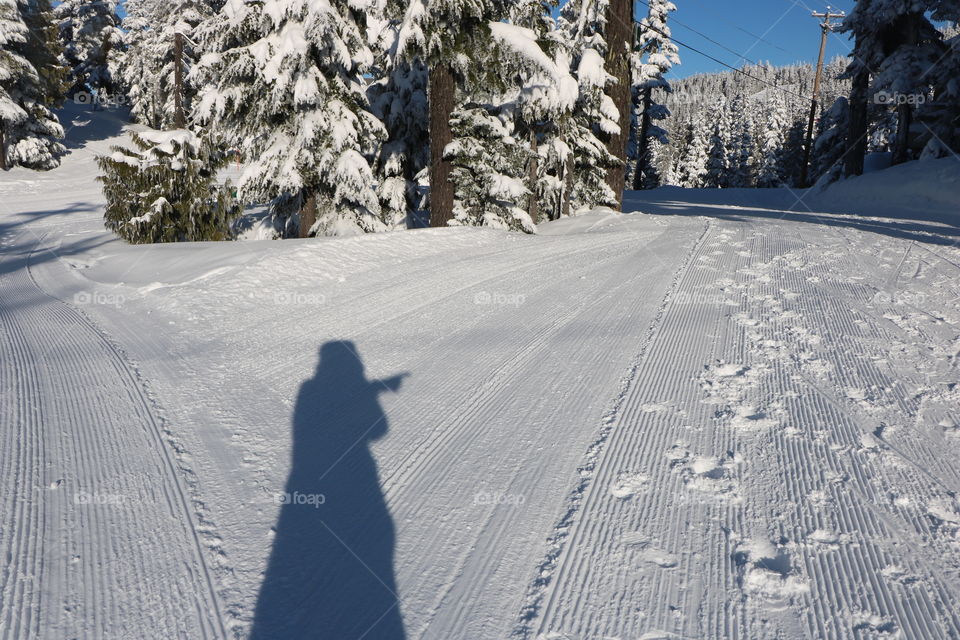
x,y
629,484
649,554
767,572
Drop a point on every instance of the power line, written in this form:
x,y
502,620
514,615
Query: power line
x,y
752,35
728,66
706,37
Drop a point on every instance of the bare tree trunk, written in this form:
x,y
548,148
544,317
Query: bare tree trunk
x,y
533,204
620,34
857,132
567,185
643,142
443,88
308,214
901,143
179,119
3,150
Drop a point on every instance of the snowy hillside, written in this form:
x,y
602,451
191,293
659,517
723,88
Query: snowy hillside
x,y
725,414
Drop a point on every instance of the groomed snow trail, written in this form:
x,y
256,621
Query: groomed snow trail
x,y
97,524
784,463
716,420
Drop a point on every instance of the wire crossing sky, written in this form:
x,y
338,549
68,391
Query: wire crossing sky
x,y
777,31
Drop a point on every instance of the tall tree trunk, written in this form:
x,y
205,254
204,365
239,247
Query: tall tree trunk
x,y
568,166
901,144
179,119
643,142
3,150
620,34
857,132
533,204
443,89
308,214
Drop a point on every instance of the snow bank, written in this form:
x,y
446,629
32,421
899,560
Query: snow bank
x,y
930,189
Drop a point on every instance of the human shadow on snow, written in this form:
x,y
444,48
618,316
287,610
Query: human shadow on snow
x,y
330,573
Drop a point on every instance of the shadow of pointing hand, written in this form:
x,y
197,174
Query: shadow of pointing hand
x,y
330,573
393,384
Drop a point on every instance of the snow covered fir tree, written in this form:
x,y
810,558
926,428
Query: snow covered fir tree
x,y
89,34
32,84
287,81
164,189
351,119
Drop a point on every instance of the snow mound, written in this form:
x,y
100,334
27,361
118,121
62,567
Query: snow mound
x,y
930,188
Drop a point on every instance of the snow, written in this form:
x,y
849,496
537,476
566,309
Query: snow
x,y
523,42
624,426
590,71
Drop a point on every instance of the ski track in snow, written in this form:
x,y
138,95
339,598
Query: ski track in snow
x,y
94,502
700,427
763,449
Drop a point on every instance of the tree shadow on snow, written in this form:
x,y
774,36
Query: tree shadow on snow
x,y
330,574
926,228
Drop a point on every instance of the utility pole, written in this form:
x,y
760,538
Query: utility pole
x,y
825,28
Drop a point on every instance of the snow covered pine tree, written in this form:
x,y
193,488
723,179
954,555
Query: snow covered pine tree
x,y
447,35
147,66
89,31
290,90
398,97
31,82
165,190
654,56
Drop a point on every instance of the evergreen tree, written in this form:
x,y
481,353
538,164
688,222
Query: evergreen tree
x,y
619,36
595,116
29,85
448,36
654,56
740,161
792,153
164,190
538,57
900,50
692,165
943,112
290,89
770,171
830,145
398,97
488,169
717,157
158,32
89,31
43,50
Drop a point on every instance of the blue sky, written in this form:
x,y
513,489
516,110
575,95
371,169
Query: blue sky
x,y
789,33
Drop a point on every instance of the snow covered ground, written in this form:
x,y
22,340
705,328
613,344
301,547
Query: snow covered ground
x,y
732,415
